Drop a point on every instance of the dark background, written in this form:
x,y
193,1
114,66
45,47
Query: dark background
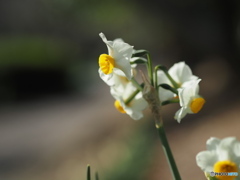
x,y
56,113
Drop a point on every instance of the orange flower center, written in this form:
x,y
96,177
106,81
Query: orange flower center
x,y
197,104
119,107
225,167
106,63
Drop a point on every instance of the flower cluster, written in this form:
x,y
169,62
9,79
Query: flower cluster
x,y
221,160
117,70
184,86
164,86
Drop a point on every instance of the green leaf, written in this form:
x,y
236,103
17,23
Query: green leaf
x,y
96,176
163,68
170,102
139,60
139,53
88,172
168,87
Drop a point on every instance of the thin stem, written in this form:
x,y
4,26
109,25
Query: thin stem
x,y
136,84
88,172
156,77
96,176
168,152
150,70
132,96
170,88
175,100
150,94
175,85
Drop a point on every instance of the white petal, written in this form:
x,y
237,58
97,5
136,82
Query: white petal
x,y
188,92
227,143
103,37
236,150
132,60
139,103
130,88
206,160
116,92
162,78
196,87
123,67
136,107
108,43
225,149
165,94
122,49
212,143
176,70
181,113
107,78
181,72
184,96
118,40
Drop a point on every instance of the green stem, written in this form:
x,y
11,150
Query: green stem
x,y
150,70
167,151
171,101
136,84
96,176
168,87
156,77
88,172
150,94
132,96
164,69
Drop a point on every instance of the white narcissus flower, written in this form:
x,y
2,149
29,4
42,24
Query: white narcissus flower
x,y
181,73
222,156
121,91
190,101
132,59
116,61
111,79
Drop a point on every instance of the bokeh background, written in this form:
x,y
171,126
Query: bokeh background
x,y
56,114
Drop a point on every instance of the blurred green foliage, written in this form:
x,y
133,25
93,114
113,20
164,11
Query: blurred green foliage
x,y
33,51
133,165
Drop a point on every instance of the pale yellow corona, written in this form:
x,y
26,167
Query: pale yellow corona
x,y
119,107
225,166
197,104
106,63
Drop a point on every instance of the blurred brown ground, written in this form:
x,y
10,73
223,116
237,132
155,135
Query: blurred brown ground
x,y
56,139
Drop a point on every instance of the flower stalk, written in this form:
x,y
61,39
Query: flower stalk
x,y
151,96
150,69
168,152
156,77
136,84
170,102
132,96
164,69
